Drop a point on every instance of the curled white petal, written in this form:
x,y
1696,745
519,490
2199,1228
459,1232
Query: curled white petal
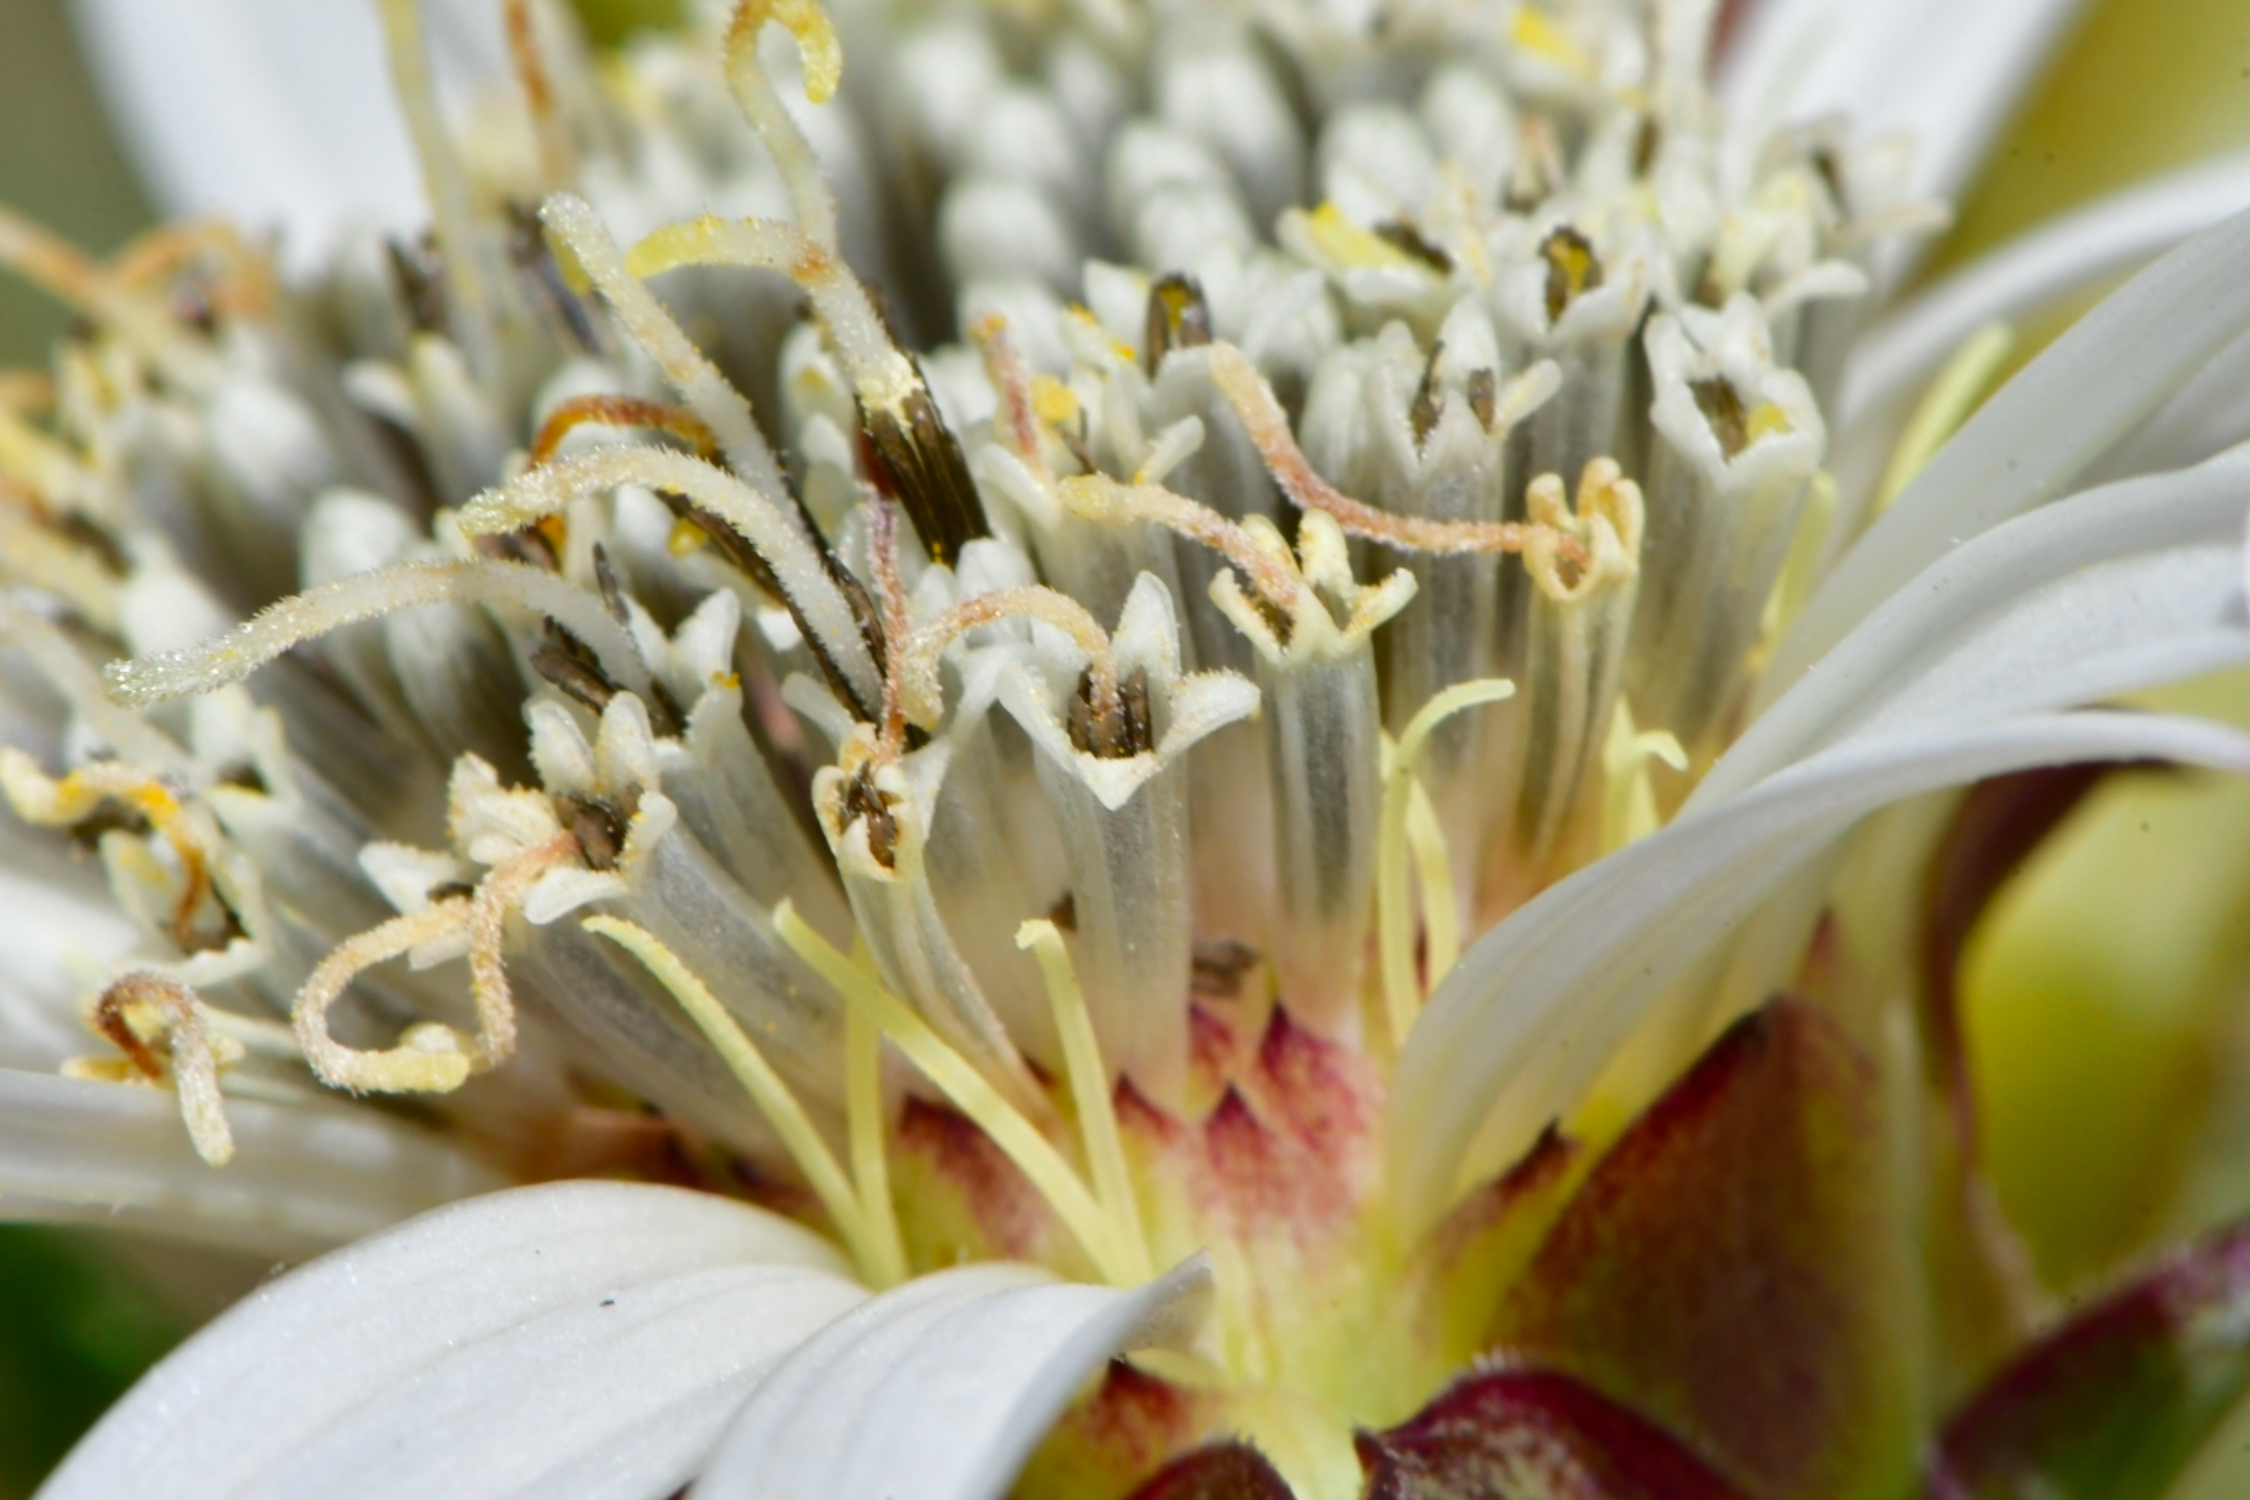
x,y
940,1389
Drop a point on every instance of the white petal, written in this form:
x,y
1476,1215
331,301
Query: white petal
x,y
618,1397
2080,249
59,930
938,1390
302,1179
2027,444
495,1306
1949,72
2117,589
1526,1021
276,112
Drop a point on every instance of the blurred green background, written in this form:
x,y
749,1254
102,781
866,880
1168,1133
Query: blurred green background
x,y
58,161
75,1325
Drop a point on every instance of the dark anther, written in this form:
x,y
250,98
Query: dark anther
x,y
95,540
726,541
1402,236
526,545
605,579
1178,318
1572,269
421,282
1140,723
1064,913
864,799
744,558
450,890
535,263
1422,412
1484,396
567,662
243,775
1133,732
598,826
110,817
192,938
918,462
1219,965
1831,177
1721,405
1646,142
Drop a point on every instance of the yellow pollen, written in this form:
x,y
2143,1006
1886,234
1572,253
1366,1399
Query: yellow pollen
x,y
1052,401
1536,32
1347,244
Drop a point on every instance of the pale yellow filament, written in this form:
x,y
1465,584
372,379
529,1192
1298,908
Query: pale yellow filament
x,y
1016,1136
1396,831
880,1260
1090,1091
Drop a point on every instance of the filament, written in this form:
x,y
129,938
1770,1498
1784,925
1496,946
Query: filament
x,y
883,1264
1016,1136
1090,1091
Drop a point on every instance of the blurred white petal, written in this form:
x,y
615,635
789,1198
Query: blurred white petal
x,y
938,1390
303,1177
2117,589
2062,257
476,1351
59,929
1950,72
276,112
2039,432
1526,1021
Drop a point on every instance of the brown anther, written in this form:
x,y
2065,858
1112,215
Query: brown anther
x,y
1831,175
1178,318
1647,141
728,543
537,269
1572,269
1484,396
1127,732
863,799
1423,411
449,890
420,269
918,462
190,931
110,817
612,592
621,411
1401,235
94,539
570,665
1064,913
598,826
1721,405
530,544
1219,966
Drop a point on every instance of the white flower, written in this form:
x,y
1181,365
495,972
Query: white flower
x,y
1101,712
